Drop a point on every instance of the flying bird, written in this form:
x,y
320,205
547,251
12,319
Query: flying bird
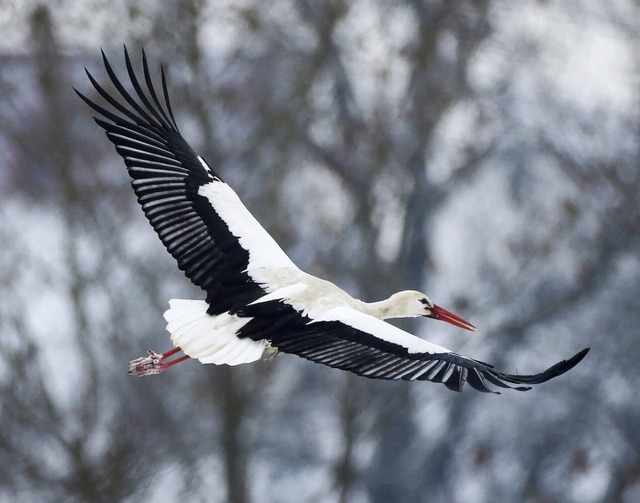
x,y
257,300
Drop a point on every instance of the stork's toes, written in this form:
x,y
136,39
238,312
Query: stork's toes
x,y
148,365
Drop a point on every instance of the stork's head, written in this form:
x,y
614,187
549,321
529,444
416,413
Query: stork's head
x,y
413,303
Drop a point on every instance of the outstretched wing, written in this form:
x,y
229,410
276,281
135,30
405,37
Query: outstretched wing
x,y
199,218
349,340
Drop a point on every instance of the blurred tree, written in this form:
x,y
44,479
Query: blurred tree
x,y
71,428
348,128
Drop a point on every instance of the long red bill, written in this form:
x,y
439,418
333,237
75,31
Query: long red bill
x,y
439,313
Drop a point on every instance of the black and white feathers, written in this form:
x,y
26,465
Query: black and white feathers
x,y
256,298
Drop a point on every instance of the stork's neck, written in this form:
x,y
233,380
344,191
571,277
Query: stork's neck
x,y
385,309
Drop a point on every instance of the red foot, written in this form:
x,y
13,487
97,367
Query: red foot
x,y
153,364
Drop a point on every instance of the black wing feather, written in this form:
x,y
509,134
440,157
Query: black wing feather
x,y
166,176
341,346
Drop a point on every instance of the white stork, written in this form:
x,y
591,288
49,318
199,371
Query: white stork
x,y
256,297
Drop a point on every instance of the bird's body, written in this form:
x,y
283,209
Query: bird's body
x,y
257,299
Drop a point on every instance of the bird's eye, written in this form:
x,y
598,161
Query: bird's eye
x,y
426,301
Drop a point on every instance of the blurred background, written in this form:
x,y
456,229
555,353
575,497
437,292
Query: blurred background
x,y
483,151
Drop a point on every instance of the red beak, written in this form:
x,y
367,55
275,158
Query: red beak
x,y
439,313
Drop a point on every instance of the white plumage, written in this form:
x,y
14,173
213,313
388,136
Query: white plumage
x,y
210,339
262,248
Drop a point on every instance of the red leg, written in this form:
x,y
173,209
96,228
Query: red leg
x,y
154,364
177,360
169,353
